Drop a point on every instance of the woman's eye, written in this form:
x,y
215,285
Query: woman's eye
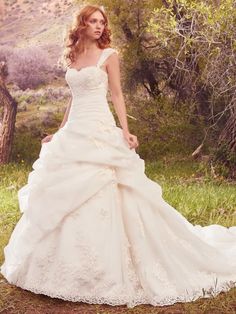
x,y
94,21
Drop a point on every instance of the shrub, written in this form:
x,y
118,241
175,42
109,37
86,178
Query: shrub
x,y
29,67
26,147
5,52
162,129
224,161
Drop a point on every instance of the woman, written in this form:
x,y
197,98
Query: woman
x,y
94,227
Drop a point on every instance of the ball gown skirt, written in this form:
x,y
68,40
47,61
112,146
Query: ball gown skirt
x,y
94,228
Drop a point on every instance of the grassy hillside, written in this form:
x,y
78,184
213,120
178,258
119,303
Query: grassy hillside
x,y
36,23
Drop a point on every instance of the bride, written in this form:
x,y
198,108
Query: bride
x,y
94,228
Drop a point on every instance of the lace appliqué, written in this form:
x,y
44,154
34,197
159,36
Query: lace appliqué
x,y
51,273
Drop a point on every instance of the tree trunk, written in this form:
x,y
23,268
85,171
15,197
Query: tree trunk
x,y
7,127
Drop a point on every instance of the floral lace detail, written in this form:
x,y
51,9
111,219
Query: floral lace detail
x,y
90,78
130,268
86,80
106,126
97,142
43,273
104,213
141,226
127,299
74,276
156,270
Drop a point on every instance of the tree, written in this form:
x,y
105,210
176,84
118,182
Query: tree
x,y
184,51
200,41
8,117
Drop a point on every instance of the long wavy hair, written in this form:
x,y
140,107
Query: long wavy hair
x,y
74,38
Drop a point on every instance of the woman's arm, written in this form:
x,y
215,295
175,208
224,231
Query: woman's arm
x,y
113,69
66,114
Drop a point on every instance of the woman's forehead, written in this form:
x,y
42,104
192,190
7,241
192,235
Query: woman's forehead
x,y
97,15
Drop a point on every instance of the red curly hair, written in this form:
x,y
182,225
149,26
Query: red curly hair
x,y
74,38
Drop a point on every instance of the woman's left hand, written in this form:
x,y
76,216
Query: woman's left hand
x,y
131,139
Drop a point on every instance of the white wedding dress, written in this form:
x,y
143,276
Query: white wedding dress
x,y
96,229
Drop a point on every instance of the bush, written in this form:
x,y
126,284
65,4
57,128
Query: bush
x,y
5,52
163,130
26,147
29,67
224,161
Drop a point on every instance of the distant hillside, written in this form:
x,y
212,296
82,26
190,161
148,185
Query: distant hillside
x,y
36,23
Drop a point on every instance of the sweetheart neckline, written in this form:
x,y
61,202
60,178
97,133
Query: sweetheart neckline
x,y
90,66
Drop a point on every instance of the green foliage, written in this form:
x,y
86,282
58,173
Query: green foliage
x,y
183,51
224,161
163,130
26,147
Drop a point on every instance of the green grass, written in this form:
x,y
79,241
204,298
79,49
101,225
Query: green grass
x,y
192,191
186,185
12,177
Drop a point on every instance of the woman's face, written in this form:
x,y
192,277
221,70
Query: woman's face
x,y
95,25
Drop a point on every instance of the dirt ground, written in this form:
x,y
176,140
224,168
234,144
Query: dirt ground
x,y
14,300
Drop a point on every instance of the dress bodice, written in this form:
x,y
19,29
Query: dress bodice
x,y
89,80
89,86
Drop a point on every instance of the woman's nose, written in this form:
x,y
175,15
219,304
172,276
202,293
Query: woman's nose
x,y
99,25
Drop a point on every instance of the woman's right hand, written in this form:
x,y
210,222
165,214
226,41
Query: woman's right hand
x,y
47,138
131,139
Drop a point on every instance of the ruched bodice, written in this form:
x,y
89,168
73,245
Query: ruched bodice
x,y
89,86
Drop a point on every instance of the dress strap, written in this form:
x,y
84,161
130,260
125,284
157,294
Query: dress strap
x,y
105,54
